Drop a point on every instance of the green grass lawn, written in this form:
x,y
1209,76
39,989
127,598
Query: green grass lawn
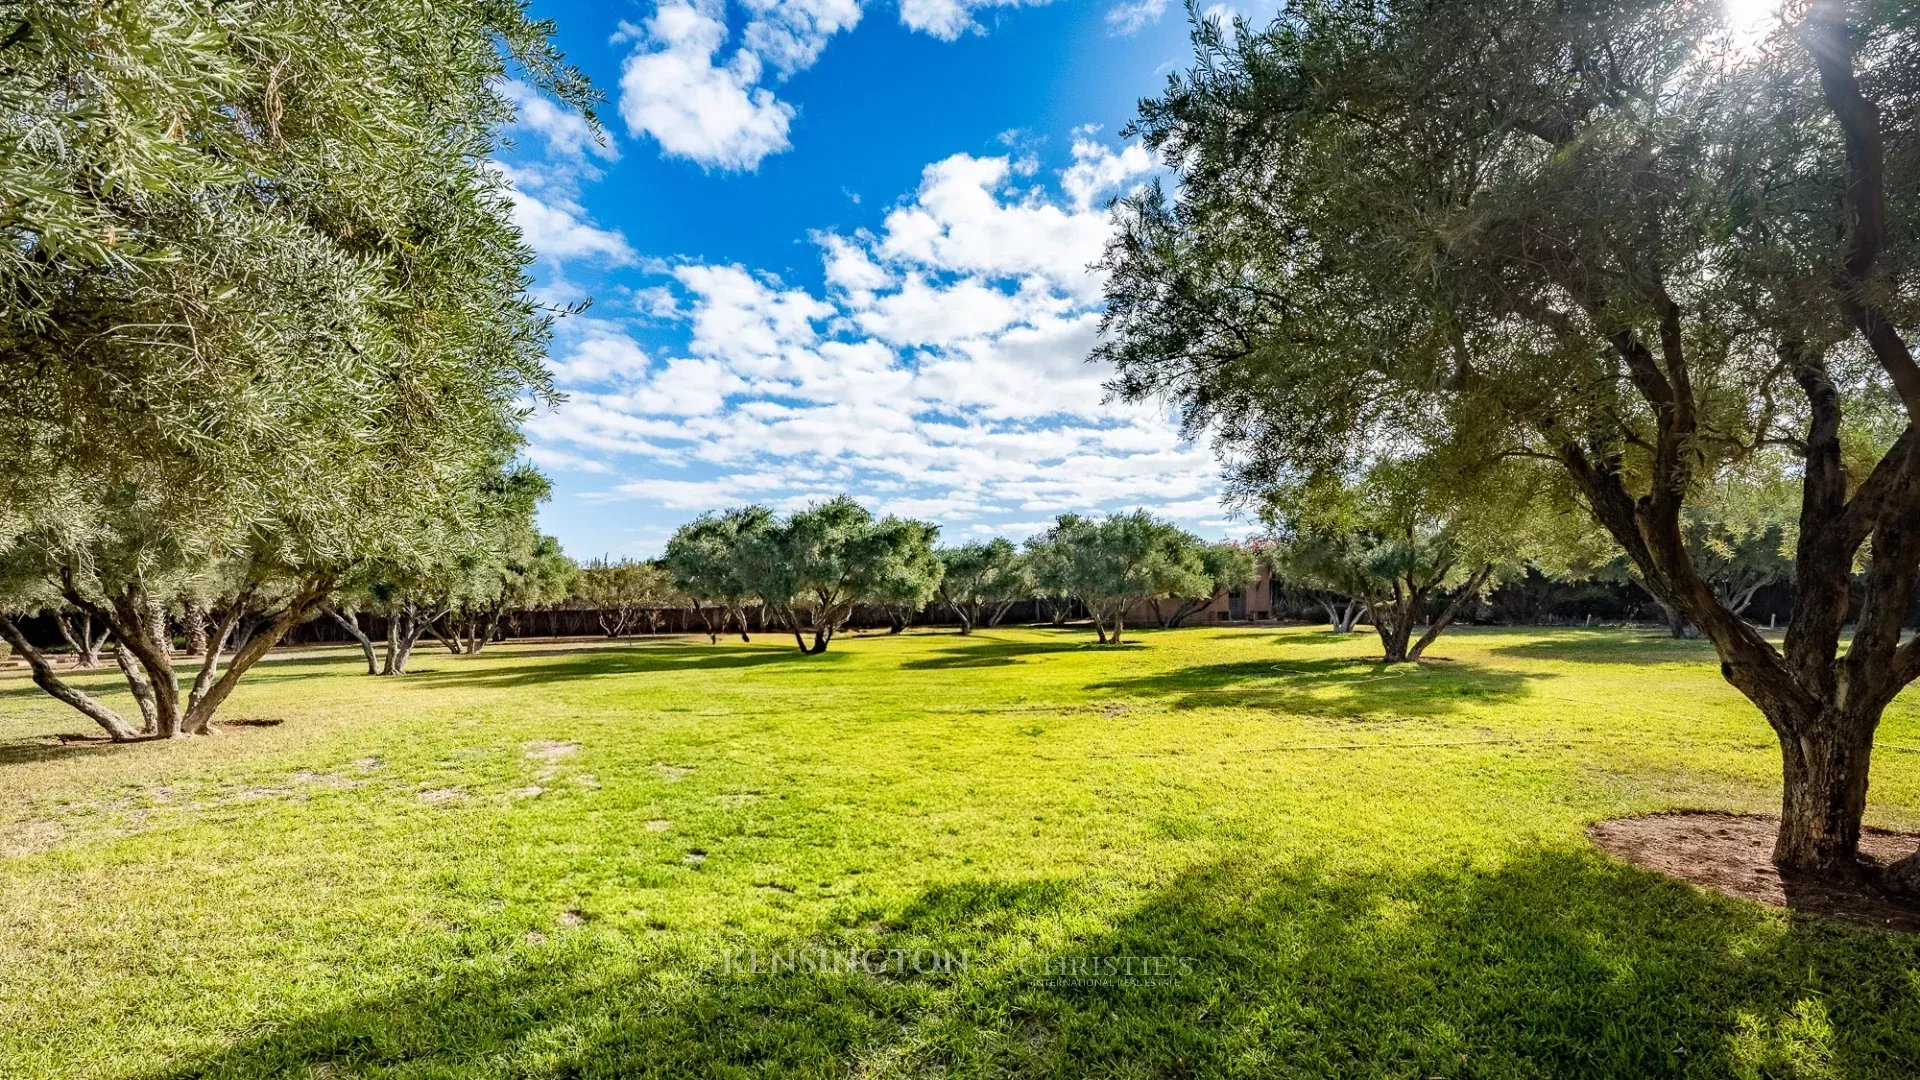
x,y
537,863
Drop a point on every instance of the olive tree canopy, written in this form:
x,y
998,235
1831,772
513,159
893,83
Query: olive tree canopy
x,y
266,314
1117,563
1611,239
620,592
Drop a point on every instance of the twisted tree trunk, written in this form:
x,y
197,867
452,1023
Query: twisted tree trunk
x,y
195,623
1468,591
352,626
76,629
404,628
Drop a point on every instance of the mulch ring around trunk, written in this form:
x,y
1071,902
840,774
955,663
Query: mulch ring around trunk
x,y
1733,854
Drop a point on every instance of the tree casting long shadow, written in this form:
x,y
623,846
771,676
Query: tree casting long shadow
x,y
1555,963
1329,686
530,669
975,651
1611,647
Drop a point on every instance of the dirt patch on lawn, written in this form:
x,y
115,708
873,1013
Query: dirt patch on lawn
x,y
1733,854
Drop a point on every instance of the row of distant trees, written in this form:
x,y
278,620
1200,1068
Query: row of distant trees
x,y
1387,547
1377,551
806,573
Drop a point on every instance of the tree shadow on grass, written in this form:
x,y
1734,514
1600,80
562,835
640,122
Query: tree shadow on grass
x,y
656,660
532,669
1331,686
1612,647
58,747
1553,963
978,651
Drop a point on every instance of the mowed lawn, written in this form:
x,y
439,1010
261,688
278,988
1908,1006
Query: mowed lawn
x,y
538,862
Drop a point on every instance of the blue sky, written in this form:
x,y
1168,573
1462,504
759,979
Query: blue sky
x,y
842,247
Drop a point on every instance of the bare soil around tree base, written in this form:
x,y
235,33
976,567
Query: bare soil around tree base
x,y
1733,854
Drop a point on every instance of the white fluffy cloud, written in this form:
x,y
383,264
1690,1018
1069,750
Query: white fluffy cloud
x,y
749,321
565,133
967,219
848,266
703,97
1131,16
558,229
544,189
948,19
789,34
941,372
1097,170
674,90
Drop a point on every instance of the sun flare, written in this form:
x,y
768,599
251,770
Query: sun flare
x,y
1748,21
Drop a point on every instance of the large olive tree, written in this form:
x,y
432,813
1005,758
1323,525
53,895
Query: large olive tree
x,y
811,569
264,315
1611,238
910,572
1389,543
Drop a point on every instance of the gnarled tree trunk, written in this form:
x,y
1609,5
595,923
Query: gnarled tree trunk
x,y
1468,591
77,630
405,625
1825,757
351,623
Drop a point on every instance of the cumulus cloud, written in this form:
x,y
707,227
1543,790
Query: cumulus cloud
x,y
966,218
596,351
559,230
923,312
941,371
848,266
674,89
948,19
790,34
750,321
704,97
565,133
1097,170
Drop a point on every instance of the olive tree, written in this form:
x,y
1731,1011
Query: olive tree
x,y
532,572
267,317
621,592
983,580
1384,540
705,557
30,593
1328,567
1224,567
1047,568
1601,238
910,573
510,565
1117,563
811,569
